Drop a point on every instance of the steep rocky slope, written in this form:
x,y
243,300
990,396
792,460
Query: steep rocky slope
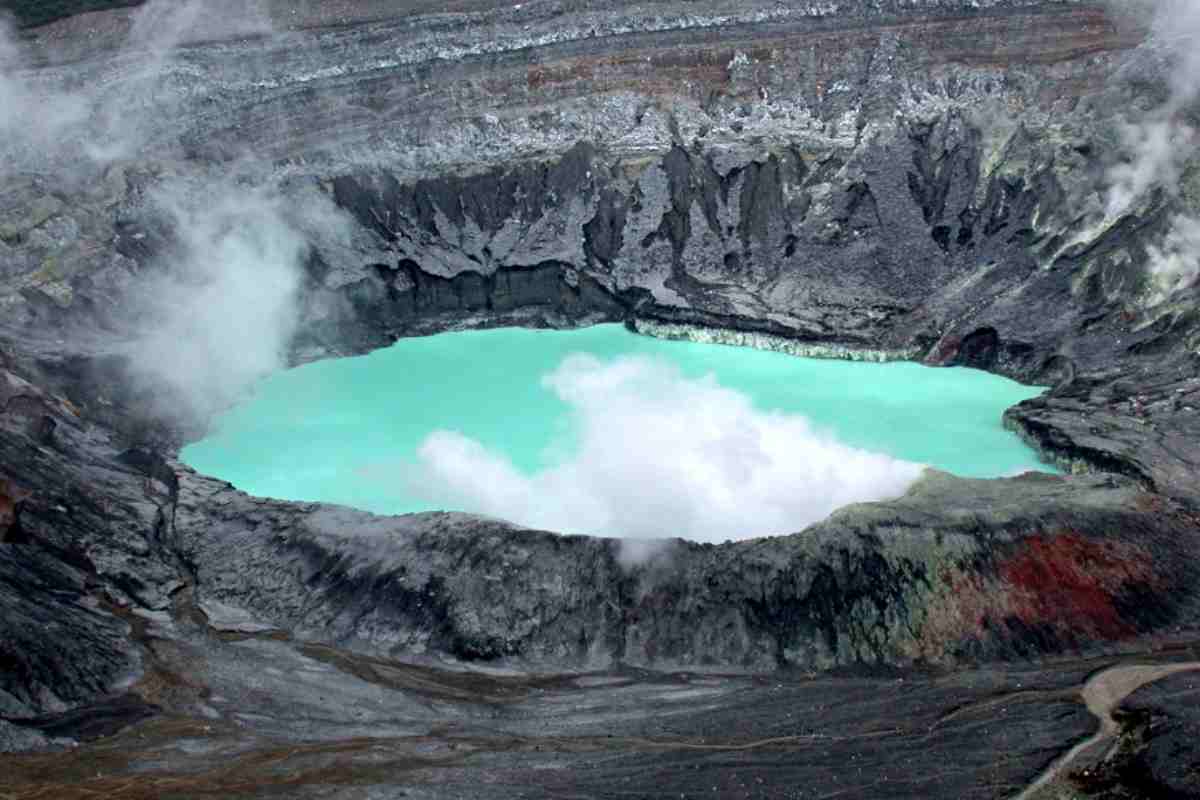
x,y
919,180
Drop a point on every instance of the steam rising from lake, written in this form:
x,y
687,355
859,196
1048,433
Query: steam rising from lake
x,y
662,455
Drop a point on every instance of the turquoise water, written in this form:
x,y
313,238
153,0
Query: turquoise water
x,y
350,430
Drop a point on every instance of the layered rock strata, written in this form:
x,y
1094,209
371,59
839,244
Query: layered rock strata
x,y
874,180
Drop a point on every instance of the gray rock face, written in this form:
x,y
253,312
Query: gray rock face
x,y
881,180
912,581
82,537
1167,762
14,739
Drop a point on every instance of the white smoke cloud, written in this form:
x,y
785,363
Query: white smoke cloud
x,y
1160,148
222,310
1161,143
50,122
32,117
149,85
1177,262
660,455
218,310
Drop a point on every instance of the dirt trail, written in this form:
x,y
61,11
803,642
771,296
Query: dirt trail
x,y
1103,693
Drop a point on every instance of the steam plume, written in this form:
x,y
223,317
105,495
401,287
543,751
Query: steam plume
x,y
33,118
218,310
1162,142
660,455
223,310
45,122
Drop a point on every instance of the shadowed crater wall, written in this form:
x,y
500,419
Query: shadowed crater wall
x,y
911,180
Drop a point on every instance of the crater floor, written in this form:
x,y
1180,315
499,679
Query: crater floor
x,y
190,204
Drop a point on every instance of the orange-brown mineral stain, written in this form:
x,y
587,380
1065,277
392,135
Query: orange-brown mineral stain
x,y
1060,581
1071,582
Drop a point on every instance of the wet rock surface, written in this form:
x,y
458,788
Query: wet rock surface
x,y
882,180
